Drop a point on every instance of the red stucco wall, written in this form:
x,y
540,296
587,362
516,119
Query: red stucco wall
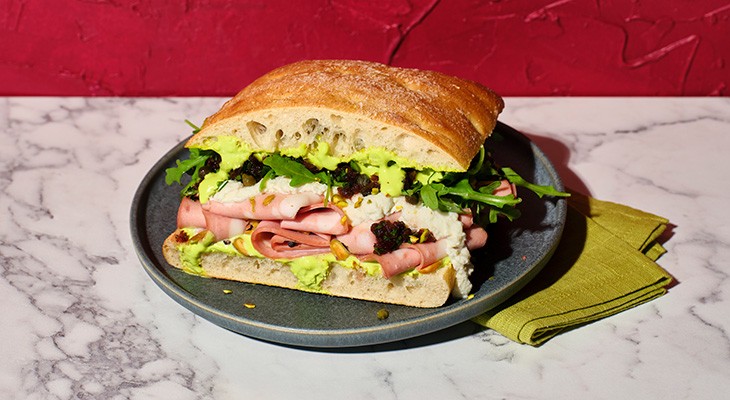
x,y
519,47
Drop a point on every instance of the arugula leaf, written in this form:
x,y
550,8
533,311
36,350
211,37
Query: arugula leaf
x,y
298,173
355,166
325,177
449,205
510,212
456,198
463,189
490,188
429,196
196,128
414,190
539,190
477,162
196,160
269,174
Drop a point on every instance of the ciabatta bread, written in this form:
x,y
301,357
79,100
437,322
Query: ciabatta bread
x,y
433,120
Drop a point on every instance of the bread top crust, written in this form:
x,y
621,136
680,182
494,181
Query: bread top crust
x,y
447,117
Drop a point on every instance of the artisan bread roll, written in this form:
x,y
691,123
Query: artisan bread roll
x,y
422,290
433,120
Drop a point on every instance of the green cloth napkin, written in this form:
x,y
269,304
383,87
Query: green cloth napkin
x,y
603,265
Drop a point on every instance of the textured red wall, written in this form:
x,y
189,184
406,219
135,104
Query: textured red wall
x,y
215,47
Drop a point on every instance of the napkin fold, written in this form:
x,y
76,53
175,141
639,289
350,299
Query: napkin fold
x,y
603,265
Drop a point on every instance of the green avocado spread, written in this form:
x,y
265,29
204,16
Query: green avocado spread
x,y
190,253
233,154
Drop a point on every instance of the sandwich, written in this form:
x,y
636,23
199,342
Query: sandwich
x,y
345,178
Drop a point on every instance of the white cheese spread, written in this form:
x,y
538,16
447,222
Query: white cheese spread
x,y
234,191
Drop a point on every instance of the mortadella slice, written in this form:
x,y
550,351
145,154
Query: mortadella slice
x,y
190,214
265,206
273,241
319,218
476,237
360,239
224,227
408,257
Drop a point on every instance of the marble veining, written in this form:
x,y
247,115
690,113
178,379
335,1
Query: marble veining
x,y
81,320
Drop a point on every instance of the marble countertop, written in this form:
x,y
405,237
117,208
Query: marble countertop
x,y
81,319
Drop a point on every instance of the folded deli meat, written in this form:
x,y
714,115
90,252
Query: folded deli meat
x,y
345,178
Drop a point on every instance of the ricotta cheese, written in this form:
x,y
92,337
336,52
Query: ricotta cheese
x,y
361,208
443,225
234,191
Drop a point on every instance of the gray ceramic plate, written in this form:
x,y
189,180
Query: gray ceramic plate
x,y
514,254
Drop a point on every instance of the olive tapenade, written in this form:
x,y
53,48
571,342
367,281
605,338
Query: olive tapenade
x,y
389,235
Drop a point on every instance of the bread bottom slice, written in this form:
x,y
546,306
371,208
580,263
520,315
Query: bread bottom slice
x,y
425,290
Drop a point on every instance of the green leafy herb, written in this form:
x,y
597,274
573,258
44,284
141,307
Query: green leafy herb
x,y
472,191
282,166
269,174
429,196
450,205
175,174
539,190
196,160
464,190
196,128
476,164
325,177
461,195
298,173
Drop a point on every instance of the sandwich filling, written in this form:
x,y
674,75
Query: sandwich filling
x,y
307,209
